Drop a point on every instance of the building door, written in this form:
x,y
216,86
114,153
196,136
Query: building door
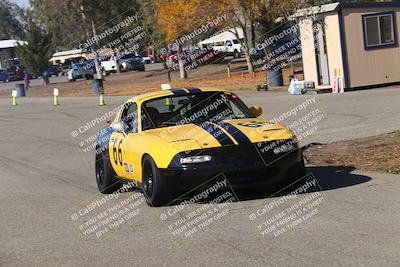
x,y
321,53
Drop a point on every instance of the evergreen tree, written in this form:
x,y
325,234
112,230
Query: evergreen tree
x,y
35,55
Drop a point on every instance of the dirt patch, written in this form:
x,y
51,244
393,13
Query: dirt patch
x,y
379,153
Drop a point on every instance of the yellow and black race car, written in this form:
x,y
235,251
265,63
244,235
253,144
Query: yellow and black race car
x,y
169,142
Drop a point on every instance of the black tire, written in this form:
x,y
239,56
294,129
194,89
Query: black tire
x,y
153,186
89,77
105,175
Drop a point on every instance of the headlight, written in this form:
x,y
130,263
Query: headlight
x,y
284,148
195,159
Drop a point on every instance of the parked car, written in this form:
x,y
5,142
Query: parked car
x,y
69,61
258,54
167,54
52,71
207,56
64,69
132,62
3,76
81,70
15,73
229,47
172,60
148,60
109,64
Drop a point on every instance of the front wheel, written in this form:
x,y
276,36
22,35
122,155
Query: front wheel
x,y
105,175
154,188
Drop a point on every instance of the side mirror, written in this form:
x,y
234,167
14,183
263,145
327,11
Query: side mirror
x,y
256,111
119,127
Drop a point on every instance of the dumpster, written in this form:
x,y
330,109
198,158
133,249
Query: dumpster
x,y
275,77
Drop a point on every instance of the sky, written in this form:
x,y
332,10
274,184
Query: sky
x,y
23,3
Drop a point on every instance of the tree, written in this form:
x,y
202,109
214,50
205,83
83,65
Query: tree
x,y
10,26
248,15
243,14
35,55
60,18
78,21
176,18
10,23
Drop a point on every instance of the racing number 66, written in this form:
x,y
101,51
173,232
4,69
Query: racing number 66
x,y
117,152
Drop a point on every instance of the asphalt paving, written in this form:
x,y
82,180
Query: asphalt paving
x,y
52,214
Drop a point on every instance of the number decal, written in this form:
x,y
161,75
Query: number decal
x,y
117,152
120,152
115,156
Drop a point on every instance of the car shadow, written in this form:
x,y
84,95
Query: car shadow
x,y
326,177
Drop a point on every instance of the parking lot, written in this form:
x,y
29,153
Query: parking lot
x,y
47,178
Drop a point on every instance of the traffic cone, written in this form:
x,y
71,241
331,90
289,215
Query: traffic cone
x,y
56,93
14,97
101,101
55,102
14,101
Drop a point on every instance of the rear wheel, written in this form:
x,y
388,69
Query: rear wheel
x,y
105,175
153,186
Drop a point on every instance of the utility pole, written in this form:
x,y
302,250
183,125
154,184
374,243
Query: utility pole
x,y
93,47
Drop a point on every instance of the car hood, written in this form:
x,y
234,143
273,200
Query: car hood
x,y
222,133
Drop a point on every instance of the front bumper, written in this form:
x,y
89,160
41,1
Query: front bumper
x,y
243,166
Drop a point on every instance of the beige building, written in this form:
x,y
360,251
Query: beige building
x,y
356,41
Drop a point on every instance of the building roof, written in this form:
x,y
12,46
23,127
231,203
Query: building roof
x,y
68,52
316,10
4,44
339,6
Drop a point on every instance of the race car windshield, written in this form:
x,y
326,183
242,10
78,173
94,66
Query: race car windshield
x,y
192,108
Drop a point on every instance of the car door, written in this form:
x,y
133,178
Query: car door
x,y
123,156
